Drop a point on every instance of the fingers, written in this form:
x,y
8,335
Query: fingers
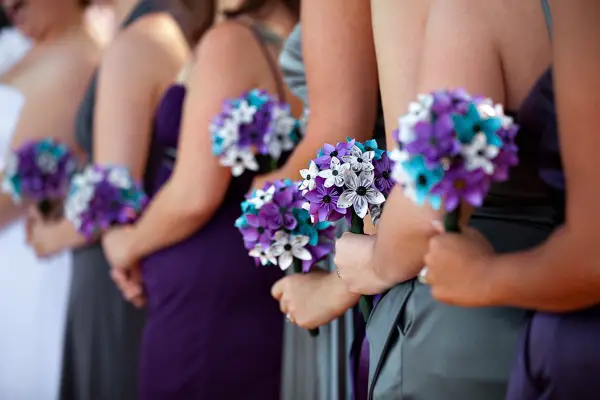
x,y
277,289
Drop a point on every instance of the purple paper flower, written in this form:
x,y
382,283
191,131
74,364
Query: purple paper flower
x,y
278,213
447,102
259,230
340,150
323,202
458,184
434,140
383,174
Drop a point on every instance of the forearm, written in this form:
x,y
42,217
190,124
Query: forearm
x,y
69,236
9,211
555,277
170,218
340,291
402,239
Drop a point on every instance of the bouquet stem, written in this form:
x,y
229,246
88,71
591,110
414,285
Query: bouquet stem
x,y
365,303
451,221
50,209
297,265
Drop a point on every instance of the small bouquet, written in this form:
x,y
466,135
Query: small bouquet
x,y
452,146
103,196
253,125
40,171
348,180
278,231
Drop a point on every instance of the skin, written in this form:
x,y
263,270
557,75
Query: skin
x,y
341,76
559,275
127,95
184,205
57,67
480,47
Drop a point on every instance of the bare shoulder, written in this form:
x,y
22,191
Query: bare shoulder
x,y
153,37
228,40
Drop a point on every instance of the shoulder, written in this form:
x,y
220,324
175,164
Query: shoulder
x,y
150,38
227,40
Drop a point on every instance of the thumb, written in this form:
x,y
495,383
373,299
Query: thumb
x,y
277,289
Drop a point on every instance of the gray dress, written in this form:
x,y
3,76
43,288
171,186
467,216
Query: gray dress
x,y
103,332
313,368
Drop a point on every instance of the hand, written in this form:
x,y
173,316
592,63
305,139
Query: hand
x,y
260,181
129,282
352,259
41,235
312,299
118,247
458,268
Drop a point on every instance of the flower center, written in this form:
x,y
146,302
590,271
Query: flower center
x,y
481,153
361,190
239,160
308,178
385,174
280,138
261,230
422,180
253,135
459,184
287,247
333,153
433,141
327,199
476,128
360,160
368,148
334,172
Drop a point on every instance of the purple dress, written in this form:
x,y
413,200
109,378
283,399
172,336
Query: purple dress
x,y
559,354
213,331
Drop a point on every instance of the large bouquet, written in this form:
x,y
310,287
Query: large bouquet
x,y
103,196
452,146
40,171
278,231
348,180
253,125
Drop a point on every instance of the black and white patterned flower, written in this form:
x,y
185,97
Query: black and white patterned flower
x,y
360,192
309,176
334,176
359,160
259,252
479,154
261,197
287,247
239,160
244,113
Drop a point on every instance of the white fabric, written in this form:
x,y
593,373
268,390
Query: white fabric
x,y
13,46
33,298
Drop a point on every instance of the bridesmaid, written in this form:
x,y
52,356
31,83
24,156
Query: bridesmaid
x,y
422,349
558,357
103,330
340,57
213,331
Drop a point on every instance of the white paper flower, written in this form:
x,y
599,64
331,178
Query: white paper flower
x,y
229,132
12,165
261,197
399,156
78,202
287,247
261,254
119,177
309,176
335,174
478,154
244,113
421,108
360,161
360,192
46,162
239,160
405,181
90,176
375,212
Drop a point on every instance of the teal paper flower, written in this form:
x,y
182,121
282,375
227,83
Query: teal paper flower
x,y
370,145
422,180
470,124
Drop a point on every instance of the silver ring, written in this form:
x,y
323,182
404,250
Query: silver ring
x,y
423,276
288,317
337,271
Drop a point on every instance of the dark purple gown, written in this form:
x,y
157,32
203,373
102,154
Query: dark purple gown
x,y
559,354
213,330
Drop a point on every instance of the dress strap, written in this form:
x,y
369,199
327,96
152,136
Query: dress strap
x,y
547,16
142,8
262,38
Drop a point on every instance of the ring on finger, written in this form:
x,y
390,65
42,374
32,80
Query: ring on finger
x,y
289,318
337,271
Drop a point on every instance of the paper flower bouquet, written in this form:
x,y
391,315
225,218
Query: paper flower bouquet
x,y
348,180
40,171
254,125
451,147
278,231
103,196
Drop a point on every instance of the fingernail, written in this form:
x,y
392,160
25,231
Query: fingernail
x,y
437,225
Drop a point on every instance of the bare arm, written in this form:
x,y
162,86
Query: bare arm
x,y
564,274
341,76
61,80
459,51
198,184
